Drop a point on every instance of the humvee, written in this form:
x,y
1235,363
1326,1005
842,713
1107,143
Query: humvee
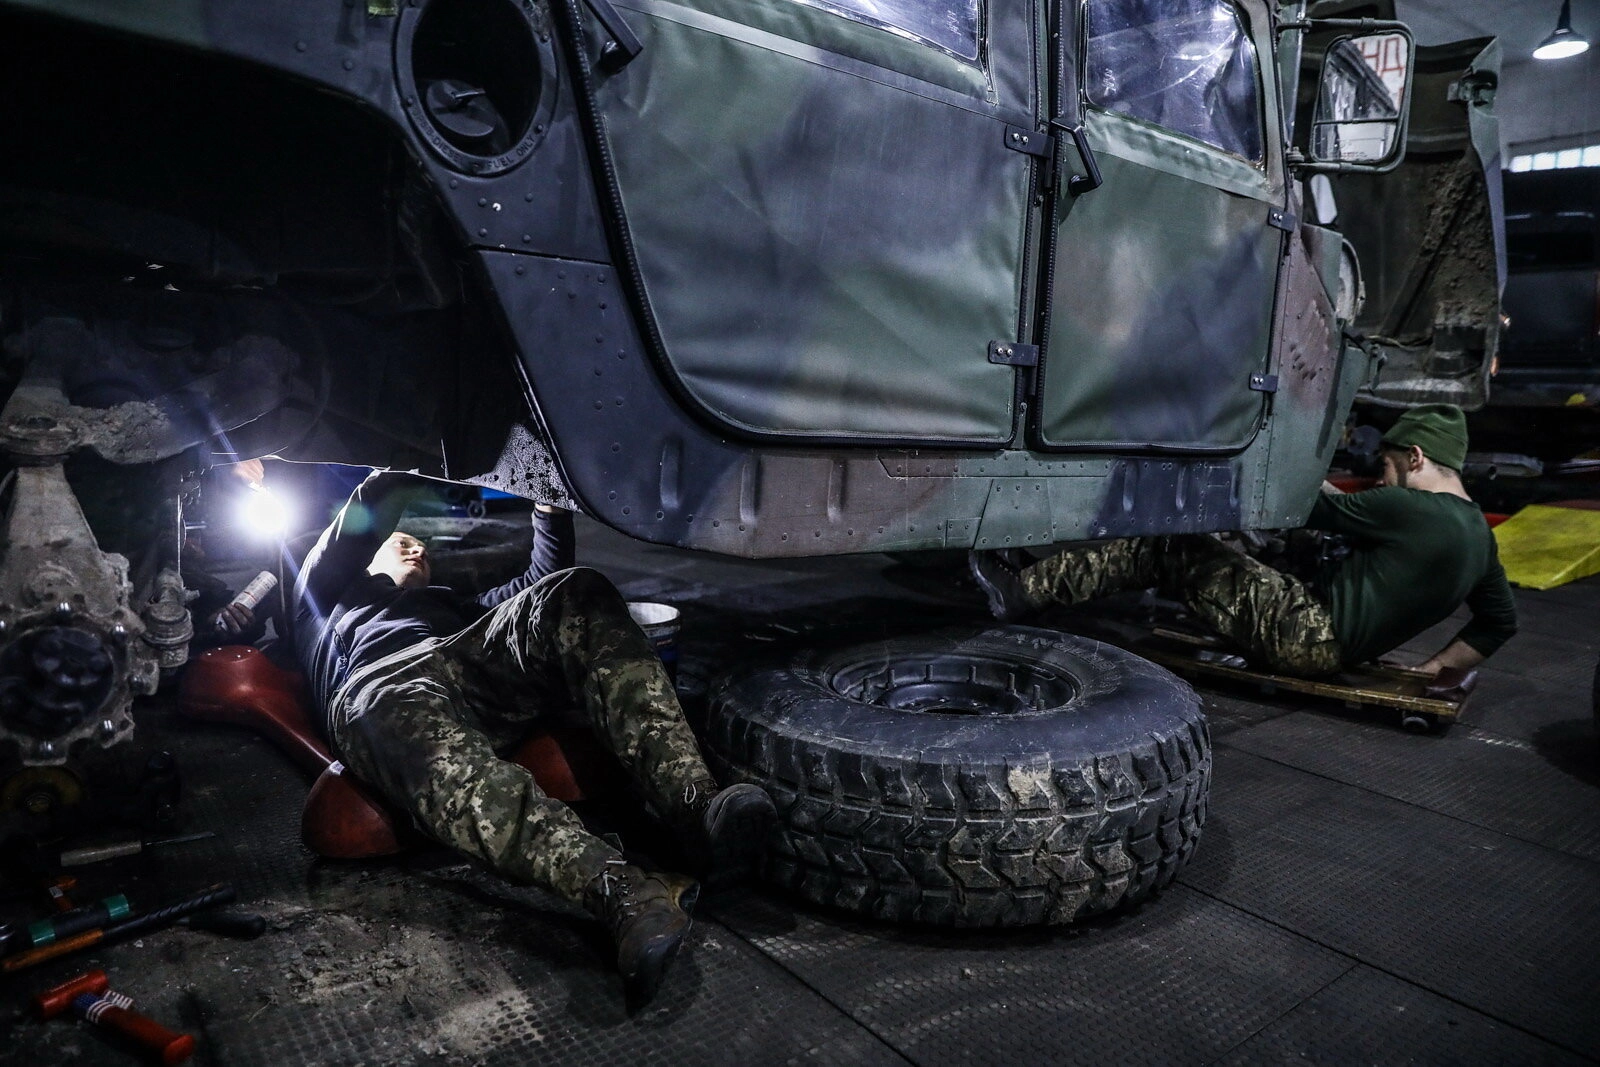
x,y
757,277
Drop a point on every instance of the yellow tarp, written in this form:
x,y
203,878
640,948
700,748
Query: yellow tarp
x,y
1542,547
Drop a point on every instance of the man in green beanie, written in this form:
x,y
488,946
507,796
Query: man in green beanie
x,y
1419,549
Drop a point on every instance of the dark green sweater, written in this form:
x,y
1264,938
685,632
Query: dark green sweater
x,y
1415,557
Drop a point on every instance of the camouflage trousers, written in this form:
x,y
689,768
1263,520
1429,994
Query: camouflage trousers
x,y
424,726
1278,622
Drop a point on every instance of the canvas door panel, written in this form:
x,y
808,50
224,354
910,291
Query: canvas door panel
x,y
1161,289
1161,311
828,249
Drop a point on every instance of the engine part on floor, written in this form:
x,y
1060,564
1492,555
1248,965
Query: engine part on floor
x,y
40,791
238,685
113,1012
82,857
246,926
221,893
999,776
71,651
160,789
168,626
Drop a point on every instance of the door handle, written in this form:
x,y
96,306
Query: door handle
x,y
1079,184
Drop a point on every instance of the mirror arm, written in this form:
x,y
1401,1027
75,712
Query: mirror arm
x,y
1359,25
1301,165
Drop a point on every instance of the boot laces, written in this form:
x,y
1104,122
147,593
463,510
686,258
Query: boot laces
x,y
697,796
616,889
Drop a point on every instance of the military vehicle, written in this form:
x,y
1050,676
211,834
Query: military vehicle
x,y
758,277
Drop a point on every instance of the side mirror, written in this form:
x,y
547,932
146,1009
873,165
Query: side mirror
x,y
1363,104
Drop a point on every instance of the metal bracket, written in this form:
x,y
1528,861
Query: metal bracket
x,y
1473,87
1030,142
1264,383
1013,354
624,46
1281,219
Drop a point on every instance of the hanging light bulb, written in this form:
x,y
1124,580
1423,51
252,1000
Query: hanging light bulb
x,y
1564,42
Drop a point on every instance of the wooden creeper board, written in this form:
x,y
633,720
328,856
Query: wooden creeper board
x,y
1368,685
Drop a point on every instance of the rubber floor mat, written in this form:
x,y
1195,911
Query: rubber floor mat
x,y
1182,980
1498,783
1507,928
1368,1017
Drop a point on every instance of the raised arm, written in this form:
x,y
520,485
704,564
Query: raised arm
x,y
1367,514
347,545
554,549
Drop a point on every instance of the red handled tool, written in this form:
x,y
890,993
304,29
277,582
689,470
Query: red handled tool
x,y
91,997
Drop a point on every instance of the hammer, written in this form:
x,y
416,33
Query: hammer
x,y
90,996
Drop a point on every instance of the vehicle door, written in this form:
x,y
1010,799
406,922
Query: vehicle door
x,y
1161,287
827,219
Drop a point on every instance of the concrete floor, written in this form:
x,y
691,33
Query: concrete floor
x,y
1360,895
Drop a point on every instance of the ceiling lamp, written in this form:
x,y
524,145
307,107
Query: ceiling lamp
x,y
1563,42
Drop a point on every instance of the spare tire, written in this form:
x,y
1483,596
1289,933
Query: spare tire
x,y
1001,776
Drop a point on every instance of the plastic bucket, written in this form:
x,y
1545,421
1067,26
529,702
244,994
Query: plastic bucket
x,y
660,625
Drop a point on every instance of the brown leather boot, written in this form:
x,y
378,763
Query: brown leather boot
x,y
647,915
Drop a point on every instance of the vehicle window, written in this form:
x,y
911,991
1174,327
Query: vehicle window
x,y
1549,250
1187,65
950,25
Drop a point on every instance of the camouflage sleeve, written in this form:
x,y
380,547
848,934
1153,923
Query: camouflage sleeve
x,y
347,545
1494,611
554,549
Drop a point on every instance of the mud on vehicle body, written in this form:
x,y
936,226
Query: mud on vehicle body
x,y
757,277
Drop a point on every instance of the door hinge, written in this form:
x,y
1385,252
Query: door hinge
x,y
1030,142
1283,220
1264,383
1013,354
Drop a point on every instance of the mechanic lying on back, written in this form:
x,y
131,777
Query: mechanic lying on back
x,y
1420,548
422,686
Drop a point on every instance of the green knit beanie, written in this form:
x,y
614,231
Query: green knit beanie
x,y
1440,430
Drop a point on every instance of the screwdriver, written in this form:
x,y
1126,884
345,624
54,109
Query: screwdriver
x,y
82,857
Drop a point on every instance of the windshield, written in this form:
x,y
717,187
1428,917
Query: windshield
x,y
950,25
1187,65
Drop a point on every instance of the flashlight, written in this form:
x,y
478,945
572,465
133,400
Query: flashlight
x,y
263,512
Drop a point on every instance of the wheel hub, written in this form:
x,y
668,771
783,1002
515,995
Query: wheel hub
x,y
954,683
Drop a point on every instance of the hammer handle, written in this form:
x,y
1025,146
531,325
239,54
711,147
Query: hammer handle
x,y
51,951
54,1001
106,1012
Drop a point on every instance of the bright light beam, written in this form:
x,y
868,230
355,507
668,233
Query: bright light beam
x,y
264,513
